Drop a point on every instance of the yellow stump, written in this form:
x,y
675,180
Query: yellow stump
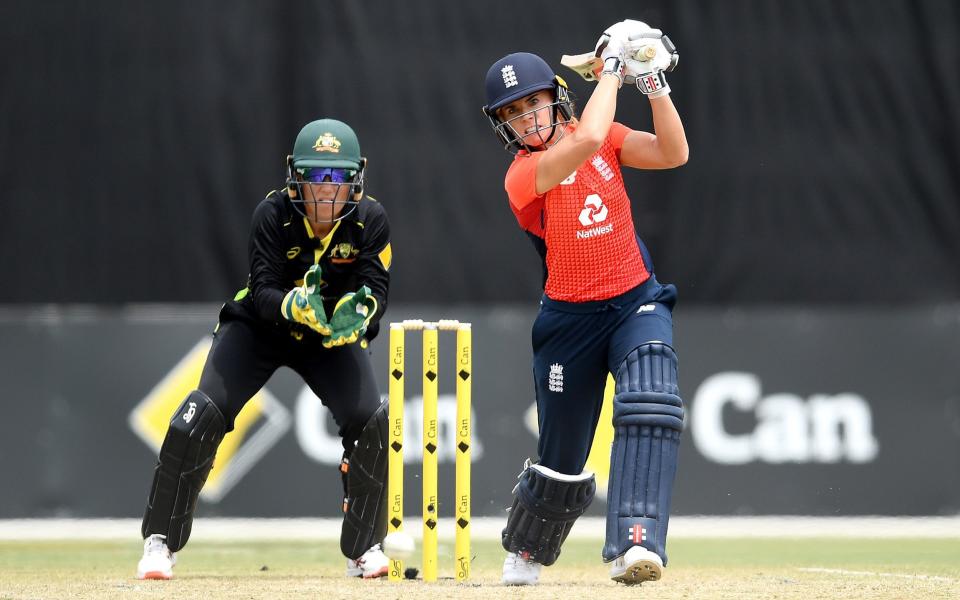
x,y
430,508
464,379
395,464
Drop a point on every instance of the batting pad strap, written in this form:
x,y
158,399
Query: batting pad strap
x,y
185,460
365,514
545,506
648,408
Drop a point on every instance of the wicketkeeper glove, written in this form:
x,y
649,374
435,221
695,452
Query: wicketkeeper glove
x,y
304,304
350,317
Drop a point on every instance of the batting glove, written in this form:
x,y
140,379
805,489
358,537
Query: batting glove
x,y
350,317
647,55
304,304
610,50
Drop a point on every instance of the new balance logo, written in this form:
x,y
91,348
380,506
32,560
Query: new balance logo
x,y
191,410
509,77
555,381
646,308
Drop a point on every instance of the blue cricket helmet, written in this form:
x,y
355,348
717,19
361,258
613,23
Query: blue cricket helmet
x,y
516,76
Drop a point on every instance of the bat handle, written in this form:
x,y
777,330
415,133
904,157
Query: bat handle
x,y
645,53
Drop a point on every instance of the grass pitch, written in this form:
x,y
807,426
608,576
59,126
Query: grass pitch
x,y
733,568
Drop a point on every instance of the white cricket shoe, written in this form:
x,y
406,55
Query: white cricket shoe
x,y
157,561
636,566
519,570
373,563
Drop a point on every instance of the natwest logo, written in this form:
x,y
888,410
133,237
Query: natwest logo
x,y
594,211
821,429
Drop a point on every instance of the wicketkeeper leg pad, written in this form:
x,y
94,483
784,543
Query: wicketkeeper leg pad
x,y
647,421
185,460
546,504
365,505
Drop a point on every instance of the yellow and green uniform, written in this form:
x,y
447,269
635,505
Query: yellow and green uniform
x,y
252,339
282,247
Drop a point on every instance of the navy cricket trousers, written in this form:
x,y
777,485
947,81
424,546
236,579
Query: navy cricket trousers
x,y
575,346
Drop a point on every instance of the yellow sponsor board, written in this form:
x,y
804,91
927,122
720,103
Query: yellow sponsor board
x,y
259,425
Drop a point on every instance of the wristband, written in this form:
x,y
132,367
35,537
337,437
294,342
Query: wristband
x,y
614,66
653,84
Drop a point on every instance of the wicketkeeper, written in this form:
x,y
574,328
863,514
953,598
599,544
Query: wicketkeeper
x,y
319,273
602,309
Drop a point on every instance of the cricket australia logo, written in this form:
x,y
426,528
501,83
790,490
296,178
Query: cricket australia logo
x,y
637,533
343,253
555,380
509,77
327,143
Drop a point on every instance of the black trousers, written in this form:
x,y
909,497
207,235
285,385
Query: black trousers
x,y
244,356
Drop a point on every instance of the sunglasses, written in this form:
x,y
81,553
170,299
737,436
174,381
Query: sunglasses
x,y
322,174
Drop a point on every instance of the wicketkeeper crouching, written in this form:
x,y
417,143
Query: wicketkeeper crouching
x,y
320,256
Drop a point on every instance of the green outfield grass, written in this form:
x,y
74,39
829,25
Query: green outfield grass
x,y
764,568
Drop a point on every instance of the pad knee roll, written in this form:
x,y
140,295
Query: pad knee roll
x,y
185,460
546,504
365,505
647,420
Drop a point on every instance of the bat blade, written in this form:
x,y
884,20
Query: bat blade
x,y
584,64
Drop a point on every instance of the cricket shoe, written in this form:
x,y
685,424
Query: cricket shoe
x,y
373,563
518,569
636,566
157,561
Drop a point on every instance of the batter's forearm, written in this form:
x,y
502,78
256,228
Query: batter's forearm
x,y
671,138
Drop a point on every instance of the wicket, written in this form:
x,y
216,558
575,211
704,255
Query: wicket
x,y
430,438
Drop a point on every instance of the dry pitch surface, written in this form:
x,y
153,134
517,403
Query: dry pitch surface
x,y
772,568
